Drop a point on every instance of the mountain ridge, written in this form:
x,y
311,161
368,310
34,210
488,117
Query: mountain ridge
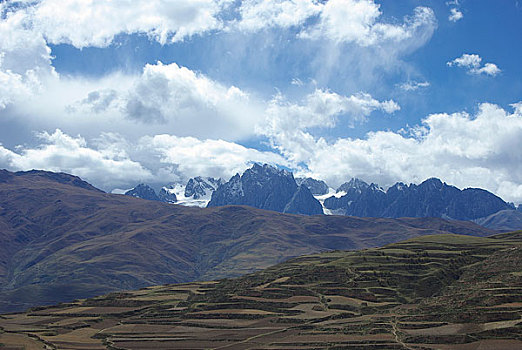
x,y
430,198
267,187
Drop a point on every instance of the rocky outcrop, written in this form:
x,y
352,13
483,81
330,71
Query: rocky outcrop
x,y
144,192
266,187
316,187
200,187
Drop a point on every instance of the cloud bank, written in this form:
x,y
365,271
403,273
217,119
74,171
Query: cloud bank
x,y
461,149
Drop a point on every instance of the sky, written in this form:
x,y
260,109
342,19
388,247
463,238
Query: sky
x,y
157,91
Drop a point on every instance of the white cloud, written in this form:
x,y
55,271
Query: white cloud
x,y
480,150
356,21
106,168
473,63
172,93
217,158
467,61
338,21
25,59
412,85
96,23
489,69
455,15
464,150
260,14
110,161
164,98
286,122
27,73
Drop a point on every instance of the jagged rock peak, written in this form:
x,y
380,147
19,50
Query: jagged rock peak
x,y
433,182
264,187
303,202
268,169
375,187
398,186
144,192
317,187
354,183
199,187
167,195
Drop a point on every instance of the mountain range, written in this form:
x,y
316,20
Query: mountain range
x,y
430,198
63,239
266,187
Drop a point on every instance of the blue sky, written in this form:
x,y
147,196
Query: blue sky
x,y
159,91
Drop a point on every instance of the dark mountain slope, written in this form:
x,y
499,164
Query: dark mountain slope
x,y
266,187
430,198
64,239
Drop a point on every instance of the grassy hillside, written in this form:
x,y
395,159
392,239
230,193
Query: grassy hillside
x,y
62,239
431,292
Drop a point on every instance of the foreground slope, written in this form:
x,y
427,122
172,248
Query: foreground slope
x,y
431,292
63,239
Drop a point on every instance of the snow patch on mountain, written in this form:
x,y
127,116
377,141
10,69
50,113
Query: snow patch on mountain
x,y
196,192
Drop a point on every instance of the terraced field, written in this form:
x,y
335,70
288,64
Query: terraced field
x,y
432,292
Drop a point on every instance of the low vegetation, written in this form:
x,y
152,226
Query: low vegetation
x,y
430,292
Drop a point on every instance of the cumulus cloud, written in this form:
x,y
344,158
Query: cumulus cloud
x,y
472,63
479,150
455,15
96,23
110,161
357,21
93,23
105,167
287,122
259,14
25,59
171,92
341,21
101,100
218,158
160,108
29,27
163,98
464,150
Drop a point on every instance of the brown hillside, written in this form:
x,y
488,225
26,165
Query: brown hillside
x,y
63,239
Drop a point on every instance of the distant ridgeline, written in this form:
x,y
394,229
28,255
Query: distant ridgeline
x,y
430,198
267,187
